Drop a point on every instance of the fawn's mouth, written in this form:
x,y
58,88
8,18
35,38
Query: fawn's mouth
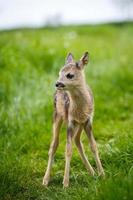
x,y
60,86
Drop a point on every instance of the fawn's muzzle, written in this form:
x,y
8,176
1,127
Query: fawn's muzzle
x,y
59,85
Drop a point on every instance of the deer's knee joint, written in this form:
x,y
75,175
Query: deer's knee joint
x,y
53,147
94,147
68,150
69,153
50,151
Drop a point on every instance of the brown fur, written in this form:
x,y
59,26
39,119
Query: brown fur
x,y
73,105
79,104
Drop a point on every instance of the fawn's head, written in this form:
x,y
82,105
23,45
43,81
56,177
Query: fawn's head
x,y
72,73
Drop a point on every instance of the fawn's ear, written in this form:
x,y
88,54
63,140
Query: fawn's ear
x,y
69,58
83,60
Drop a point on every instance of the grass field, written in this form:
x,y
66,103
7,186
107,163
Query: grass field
x,y
29,65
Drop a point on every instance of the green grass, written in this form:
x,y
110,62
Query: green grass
x,y
29,65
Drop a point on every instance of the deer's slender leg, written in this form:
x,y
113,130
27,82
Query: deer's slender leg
x,y
81,151
93,145
53,148
70,133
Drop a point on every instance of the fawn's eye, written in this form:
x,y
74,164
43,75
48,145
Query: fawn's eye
x,y
70,76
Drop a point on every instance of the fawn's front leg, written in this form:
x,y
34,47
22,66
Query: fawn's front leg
x,y
93,145
68,154
53,148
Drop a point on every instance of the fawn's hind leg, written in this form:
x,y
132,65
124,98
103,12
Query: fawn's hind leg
x,y
53,147
81,152
93,145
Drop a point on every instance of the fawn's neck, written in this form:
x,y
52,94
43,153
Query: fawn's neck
x,y
79,98
81,104
78,95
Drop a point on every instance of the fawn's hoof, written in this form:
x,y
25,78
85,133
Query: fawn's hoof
x,y
45,182
65,184
92,172
101,173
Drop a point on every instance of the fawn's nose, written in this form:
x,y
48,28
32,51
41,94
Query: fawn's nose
x,y
59,84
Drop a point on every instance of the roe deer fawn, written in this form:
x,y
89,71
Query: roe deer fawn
x,y
74,105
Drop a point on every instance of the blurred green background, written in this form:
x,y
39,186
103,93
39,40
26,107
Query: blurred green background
x,y
29,65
